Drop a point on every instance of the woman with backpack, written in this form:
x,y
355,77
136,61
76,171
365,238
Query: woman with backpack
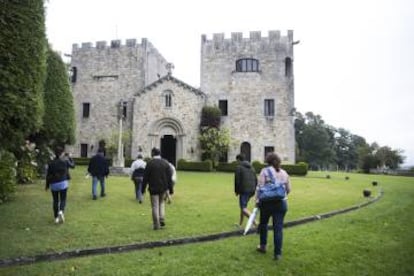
x,y
276,206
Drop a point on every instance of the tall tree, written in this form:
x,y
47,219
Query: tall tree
x,y
387,157
22,70
315,141
59,118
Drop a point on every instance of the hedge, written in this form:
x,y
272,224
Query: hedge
x,y
227,167
205,166
300,169
84,161
7,175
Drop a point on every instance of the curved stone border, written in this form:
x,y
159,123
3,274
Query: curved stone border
x,y
154,244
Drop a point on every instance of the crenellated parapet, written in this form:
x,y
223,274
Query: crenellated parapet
x,y
219,42
113,44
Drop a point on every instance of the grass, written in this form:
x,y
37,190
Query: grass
x,y
375,240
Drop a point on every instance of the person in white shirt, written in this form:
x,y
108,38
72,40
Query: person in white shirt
x,y
170,192
137,175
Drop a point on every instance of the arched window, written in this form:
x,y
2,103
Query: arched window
x,y
247,65
167,95
245,148
288,67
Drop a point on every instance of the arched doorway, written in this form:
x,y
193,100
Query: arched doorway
x,y
167,134
168,148
245,149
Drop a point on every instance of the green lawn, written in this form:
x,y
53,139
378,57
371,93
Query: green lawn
x,y
375,240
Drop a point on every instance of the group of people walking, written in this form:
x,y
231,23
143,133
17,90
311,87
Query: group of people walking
x,y
159,175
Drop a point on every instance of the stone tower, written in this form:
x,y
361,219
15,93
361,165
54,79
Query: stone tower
x,y
104,80
251,81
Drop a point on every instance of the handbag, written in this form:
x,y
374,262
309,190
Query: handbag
x,y
271,190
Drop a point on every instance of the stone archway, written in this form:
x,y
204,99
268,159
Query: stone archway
x,y
168,135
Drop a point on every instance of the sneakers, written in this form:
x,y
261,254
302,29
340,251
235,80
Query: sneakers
x,y
261,249
61,217
162,223
94,197
277,257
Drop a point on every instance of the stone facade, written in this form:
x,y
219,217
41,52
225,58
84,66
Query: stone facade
x,y
250,79
246,91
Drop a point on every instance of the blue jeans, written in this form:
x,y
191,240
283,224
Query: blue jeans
x,y
277,210
59,201
244,200
138,188
95,180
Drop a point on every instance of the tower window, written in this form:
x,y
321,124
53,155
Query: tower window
x,y
269,107
85,110
72,74
223,107
247,65
124,109
288,67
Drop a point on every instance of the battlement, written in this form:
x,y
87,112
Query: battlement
x,y
113,44
254,36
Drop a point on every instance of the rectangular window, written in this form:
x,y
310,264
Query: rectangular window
x,y
73,74
124,109
84,150
223,107
269,107
167,100
85,110
267,150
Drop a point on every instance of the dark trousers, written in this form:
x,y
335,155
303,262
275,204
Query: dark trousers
x,y
59,201
277,210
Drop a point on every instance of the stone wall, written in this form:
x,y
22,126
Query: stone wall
x,y
152,119
105,75
246,91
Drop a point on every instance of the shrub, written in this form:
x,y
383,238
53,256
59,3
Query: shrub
x,y
27,166
227,167
7,175
81,161
297,169
205,166
258,166
84,161
128,162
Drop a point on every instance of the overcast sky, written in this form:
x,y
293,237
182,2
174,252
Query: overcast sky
x,y
353,66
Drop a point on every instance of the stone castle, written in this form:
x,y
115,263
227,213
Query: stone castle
x,y
249,79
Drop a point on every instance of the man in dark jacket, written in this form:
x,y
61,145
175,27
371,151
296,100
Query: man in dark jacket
x,y
157,175
99,169
245,182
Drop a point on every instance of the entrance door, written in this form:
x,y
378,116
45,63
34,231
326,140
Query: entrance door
x,y
168,148
245,149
